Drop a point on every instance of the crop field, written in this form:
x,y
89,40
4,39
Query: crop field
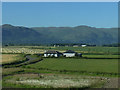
x,y
6,58
41,49
21,50
96,67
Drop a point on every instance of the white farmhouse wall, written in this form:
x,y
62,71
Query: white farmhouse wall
x,y
47,55
55,55
69,54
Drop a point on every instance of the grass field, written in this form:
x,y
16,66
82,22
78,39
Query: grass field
x,y
102,56
90,65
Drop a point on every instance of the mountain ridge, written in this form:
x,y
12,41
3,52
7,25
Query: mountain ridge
x,y
49,35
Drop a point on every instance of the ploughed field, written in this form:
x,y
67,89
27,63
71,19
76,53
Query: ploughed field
x,y
97,67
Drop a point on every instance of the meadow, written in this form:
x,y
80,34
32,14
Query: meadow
x,y
95,68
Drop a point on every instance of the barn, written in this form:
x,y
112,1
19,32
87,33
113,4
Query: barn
x,y
52,54
70,53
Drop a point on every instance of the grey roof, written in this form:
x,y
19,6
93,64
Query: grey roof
x,y
52,52
70,51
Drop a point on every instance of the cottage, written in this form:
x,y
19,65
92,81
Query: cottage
x,y
52,54
70,53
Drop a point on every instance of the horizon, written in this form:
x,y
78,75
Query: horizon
x,y
57,26
61,14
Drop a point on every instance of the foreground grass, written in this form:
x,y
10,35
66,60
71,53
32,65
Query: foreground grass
x,y
52,81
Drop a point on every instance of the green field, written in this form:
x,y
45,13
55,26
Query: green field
x,y
97,64
99,50
102,56
90,65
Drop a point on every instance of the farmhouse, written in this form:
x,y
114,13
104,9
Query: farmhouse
x,y
52,54
70,53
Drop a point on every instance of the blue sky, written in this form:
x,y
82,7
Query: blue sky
x,y
48,14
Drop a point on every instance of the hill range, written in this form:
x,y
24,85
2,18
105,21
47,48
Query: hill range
x,y
50,35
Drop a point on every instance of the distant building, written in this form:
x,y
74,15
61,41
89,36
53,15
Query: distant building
x,y
75,45
54,45
52,54
70,53
83,45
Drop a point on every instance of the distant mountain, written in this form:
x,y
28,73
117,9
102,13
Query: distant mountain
x,y
49,35
21,35
81,34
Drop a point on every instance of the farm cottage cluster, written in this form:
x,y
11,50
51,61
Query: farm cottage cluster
x,y
68,53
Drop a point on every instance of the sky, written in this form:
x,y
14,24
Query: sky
x,y
59,14
60,0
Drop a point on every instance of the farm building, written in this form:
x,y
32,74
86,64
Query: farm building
x,y
52,54
75,45
70,53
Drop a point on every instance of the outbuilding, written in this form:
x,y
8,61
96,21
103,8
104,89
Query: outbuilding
x,y
70,53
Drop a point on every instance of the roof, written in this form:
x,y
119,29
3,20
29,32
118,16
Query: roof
x,y
52,52
70,51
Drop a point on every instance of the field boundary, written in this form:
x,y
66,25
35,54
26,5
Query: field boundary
x,y
26,60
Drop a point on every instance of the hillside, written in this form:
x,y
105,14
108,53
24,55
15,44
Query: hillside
x,y
48,35
21,35
81,34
